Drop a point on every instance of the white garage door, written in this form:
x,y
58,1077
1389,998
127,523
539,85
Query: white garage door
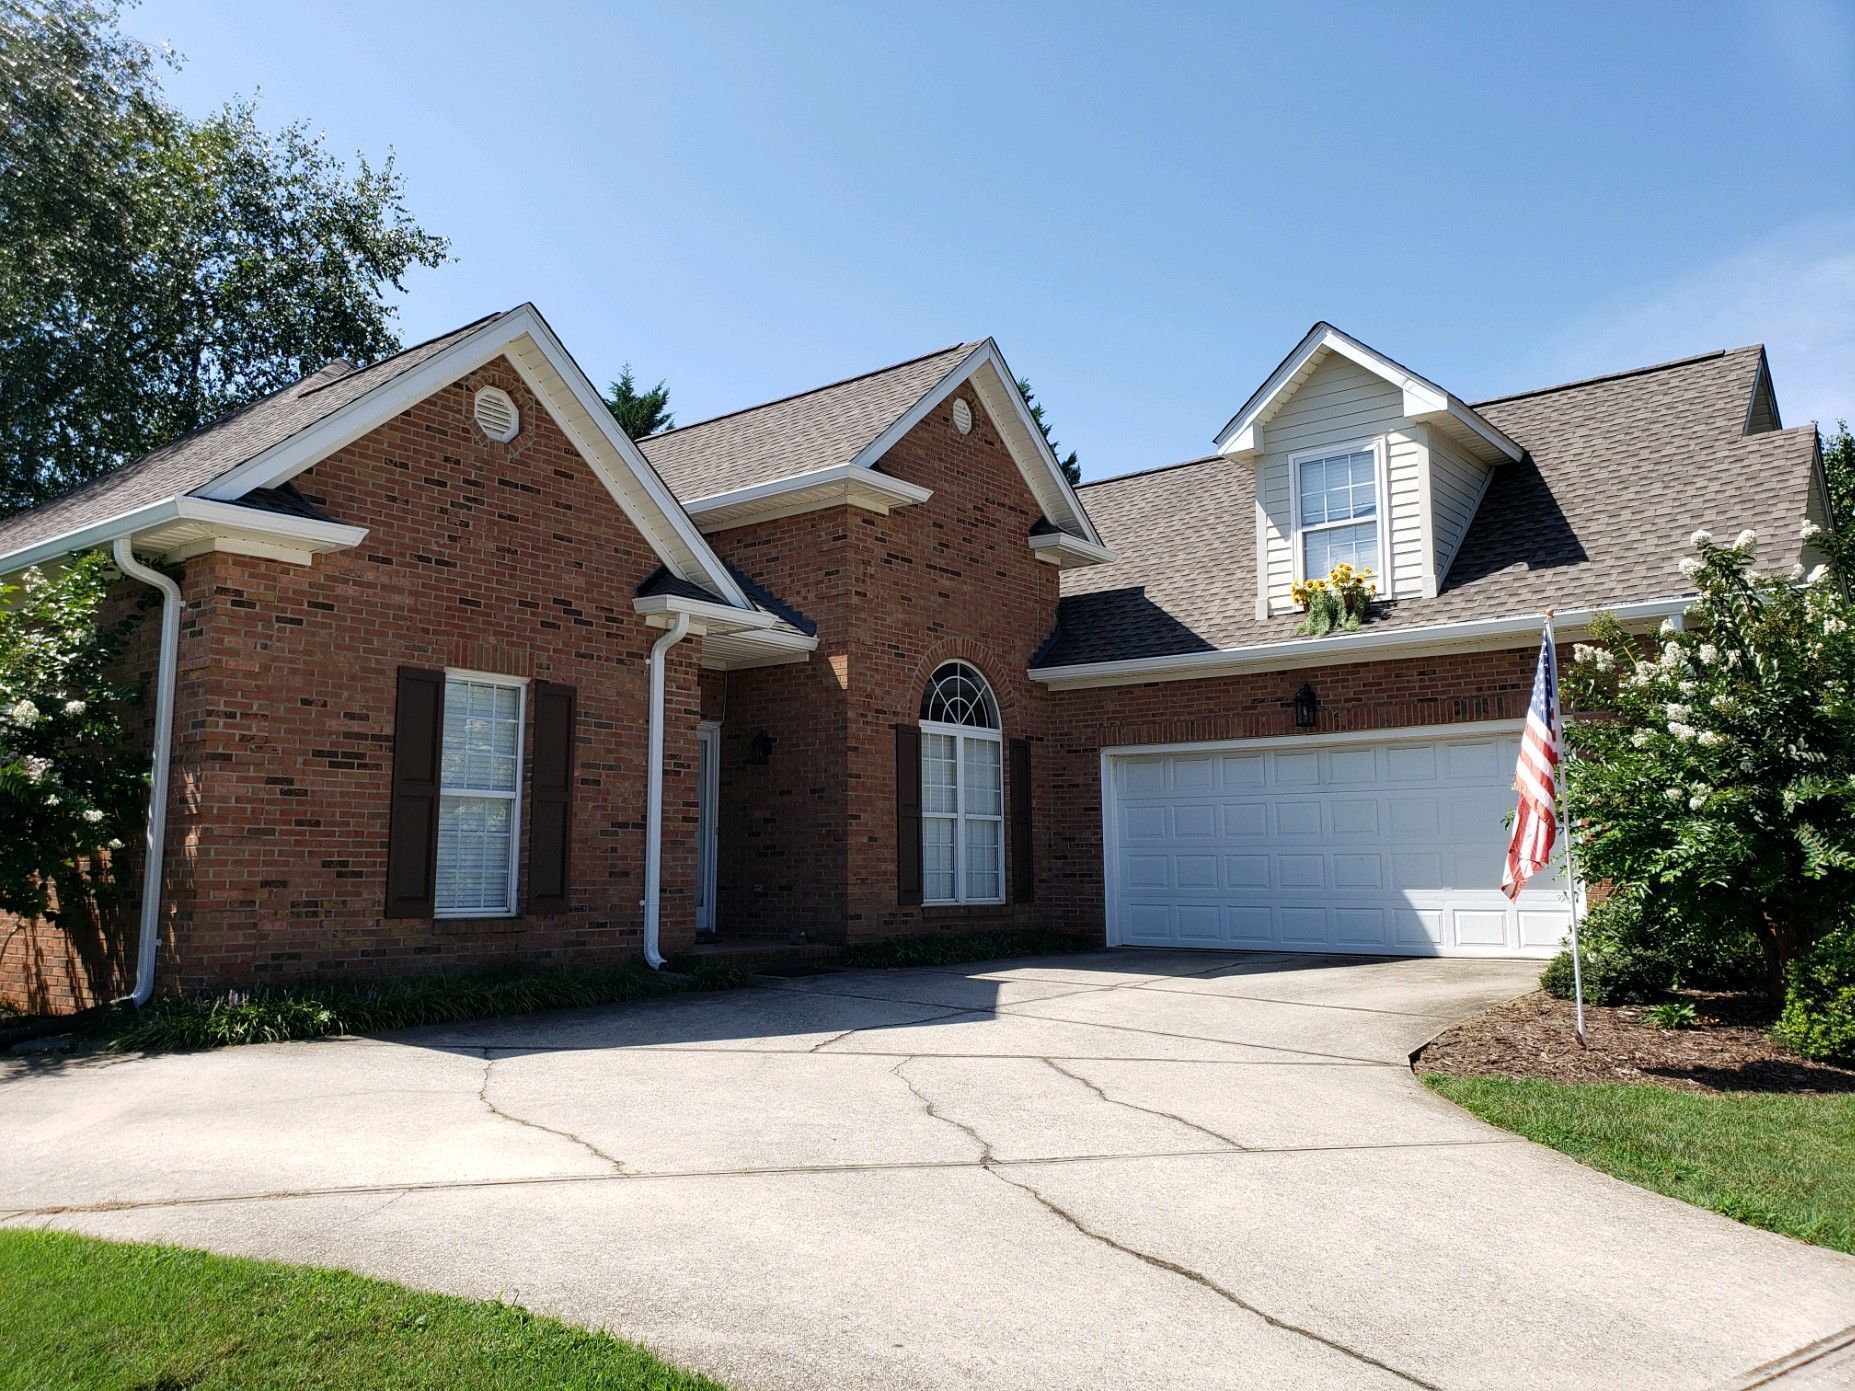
x,y
1393,846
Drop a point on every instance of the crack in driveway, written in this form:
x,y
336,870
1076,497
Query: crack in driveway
x,y
1147,1110
992,1166
483,1095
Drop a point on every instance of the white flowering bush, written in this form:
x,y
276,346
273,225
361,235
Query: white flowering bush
x,y
72,783
1714,768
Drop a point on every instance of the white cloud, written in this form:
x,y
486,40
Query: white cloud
x,y
1794,292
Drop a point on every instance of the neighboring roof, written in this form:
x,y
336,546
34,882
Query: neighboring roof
x,y
814,429
198,458
1619,471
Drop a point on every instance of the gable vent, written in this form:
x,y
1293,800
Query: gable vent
x,y
496,414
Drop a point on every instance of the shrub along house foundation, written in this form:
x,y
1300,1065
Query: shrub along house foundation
x,y
464,678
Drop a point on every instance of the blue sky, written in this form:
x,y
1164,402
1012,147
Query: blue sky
x,y
1146,205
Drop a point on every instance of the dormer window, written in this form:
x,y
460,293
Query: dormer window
x,y
1336,510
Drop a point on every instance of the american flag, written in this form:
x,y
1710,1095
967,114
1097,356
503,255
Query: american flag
x,y
1536,819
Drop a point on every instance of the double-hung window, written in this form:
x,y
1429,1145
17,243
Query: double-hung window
x,y
1337,510
962,790
479,799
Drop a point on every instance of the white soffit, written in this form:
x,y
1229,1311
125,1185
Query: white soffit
x,y
849,485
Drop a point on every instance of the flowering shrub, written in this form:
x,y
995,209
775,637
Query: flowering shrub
x,y
1717,776
1338,602
71,781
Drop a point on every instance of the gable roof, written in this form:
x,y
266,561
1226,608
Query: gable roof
x,y
1423,398
1618,472
834,434
184,465
274,439
802,433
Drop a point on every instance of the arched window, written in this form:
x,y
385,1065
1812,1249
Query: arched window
x,y
962,790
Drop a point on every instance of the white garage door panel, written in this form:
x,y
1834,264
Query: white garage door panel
x,y
1387,847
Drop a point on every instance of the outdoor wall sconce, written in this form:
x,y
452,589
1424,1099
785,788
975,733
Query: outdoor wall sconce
x,y
1307,707
760,748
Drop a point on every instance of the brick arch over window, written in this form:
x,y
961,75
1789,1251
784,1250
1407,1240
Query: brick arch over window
x,y
989,662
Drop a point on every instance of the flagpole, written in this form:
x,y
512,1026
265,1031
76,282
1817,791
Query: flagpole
x,y
1565,823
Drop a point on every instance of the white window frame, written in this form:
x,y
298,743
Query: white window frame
x,y
520,685
1297,533
963,734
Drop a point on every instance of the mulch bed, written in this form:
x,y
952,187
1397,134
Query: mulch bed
x,y
1533,1037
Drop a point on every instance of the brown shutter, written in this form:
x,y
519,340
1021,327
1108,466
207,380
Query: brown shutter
x,y
907,814
550,799
412,825
1023,880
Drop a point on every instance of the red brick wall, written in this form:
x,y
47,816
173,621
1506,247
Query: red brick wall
x,y
1376,695
780,865
808,840
502,558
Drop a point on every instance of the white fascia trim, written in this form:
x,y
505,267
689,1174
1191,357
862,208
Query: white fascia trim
x,y
1464,729
290,457
1337,650
1061,549
292,533
1422,398
987,354
707,615
856,484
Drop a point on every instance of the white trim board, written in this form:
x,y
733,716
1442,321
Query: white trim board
x,y
1338,649
195,524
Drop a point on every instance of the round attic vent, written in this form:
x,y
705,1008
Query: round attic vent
x,y
962,416
496,414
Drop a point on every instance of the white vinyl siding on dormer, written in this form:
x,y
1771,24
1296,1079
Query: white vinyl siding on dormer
x,y
1457,483
1341,404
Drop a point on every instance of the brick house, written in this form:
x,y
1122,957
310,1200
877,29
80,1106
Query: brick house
x,y
462,677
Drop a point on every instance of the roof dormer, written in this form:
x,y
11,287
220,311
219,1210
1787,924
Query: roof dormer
x,y
1359,459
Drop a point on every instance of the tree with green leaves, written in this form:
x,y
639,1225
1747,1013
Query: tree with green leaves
x,y
158,271
1839,471
72,782
1071,469
1718,783
639,413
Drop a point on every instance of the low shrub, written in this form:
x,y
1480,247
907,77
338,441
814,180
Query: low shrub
x,y
952,949
1673,1014
1632,956
308,1011
1818,1020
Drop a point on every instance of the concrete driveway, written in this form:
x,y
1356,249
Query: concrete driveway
x,y
1107,1171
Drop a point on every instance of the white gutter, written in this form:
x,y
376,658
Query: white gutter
x,y
653,804
154,858
1333,650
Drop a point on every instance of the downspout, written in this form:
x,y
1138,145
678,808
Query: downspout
x,y
653,808
152,862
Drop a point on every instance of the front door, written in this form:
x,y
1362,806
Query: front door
x,y
708,784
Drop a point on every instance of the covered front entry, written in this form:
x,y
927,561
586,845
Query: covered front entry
x,y
1379,844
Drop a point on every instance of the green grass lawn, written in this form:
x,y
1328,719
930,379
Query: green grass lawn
x,y
1782,1162
108,1317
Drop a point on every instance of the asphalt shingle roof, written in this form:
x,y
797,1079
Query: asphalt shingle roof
x,y
1619,471
194,460
816,429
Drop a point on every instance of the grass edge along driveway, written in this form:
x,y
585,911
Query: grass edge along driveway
x,y
75,1311
1784,1162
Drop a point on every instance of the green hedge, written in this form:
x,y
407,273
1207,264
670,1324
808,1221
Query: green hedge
x,y
317,1010
1632,957
1819,1007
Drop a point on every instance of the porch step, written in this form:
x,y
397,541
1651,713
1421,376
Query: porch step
x,y
751,951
